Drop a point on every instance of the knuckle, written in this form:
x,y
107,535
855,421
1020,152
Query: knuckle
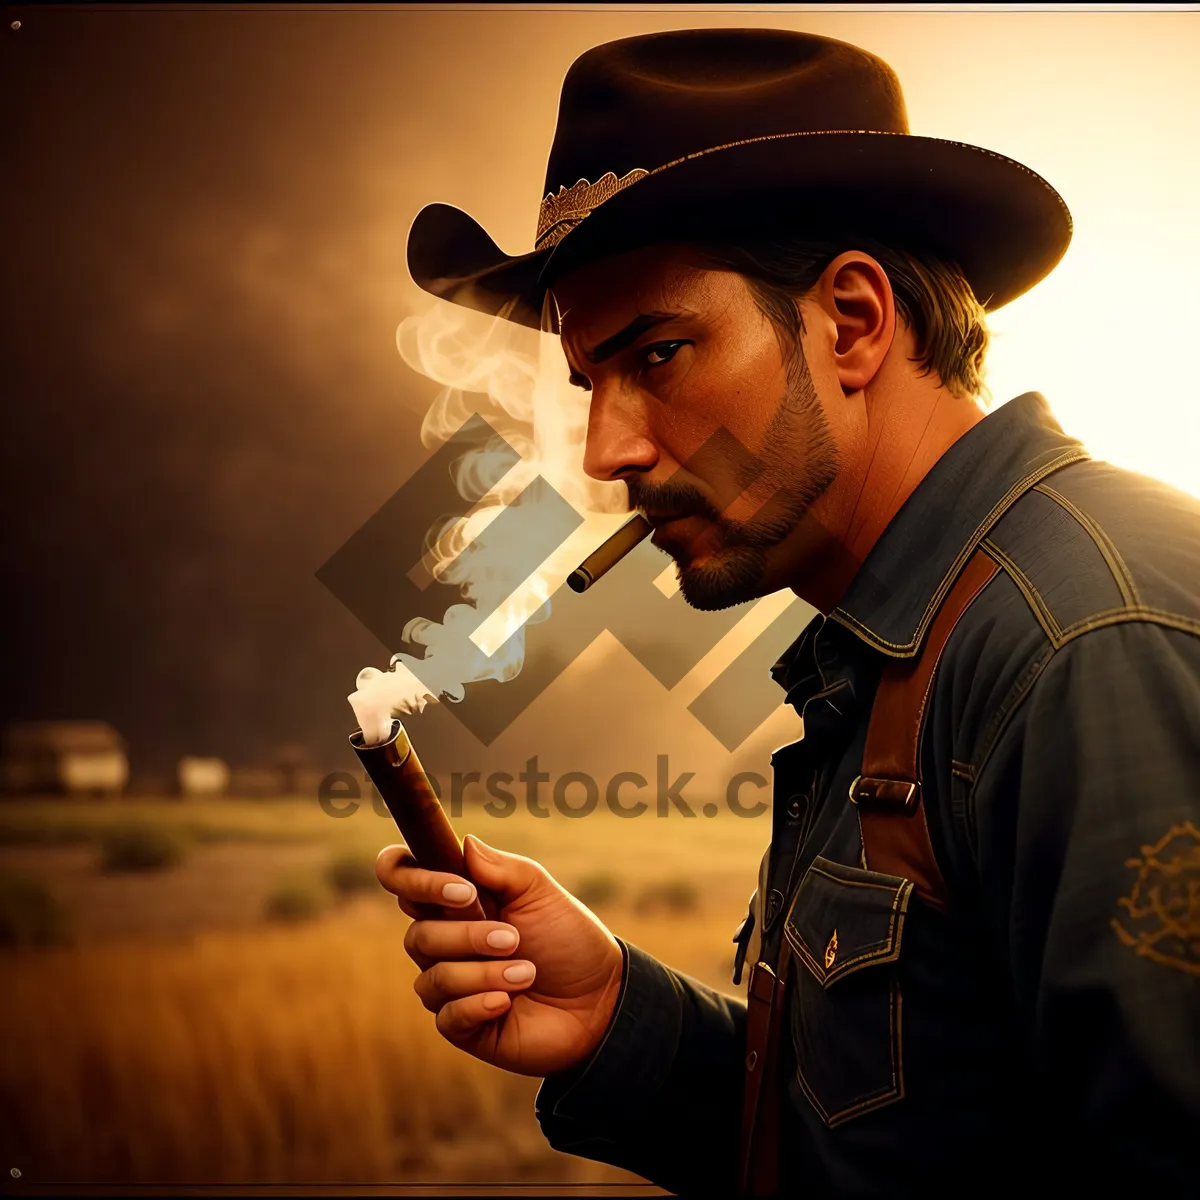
x,y
541,878
414,937
448,1021
436,975
426,992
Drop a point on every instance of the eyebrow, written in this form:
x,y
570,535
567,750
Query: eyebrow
x,y
624,337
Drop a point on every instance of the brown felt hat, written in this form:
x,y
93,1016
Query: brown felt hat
x,y
688,134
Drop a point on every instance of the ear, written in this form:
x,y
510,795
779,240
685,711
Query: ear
x,y
856,296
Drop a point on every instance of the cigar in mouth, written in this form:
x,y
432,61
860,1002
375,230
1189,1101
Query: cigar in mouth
x,y
609,553
395,769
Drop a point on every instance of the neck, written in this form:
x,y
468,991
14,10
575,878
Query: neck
x,y
903,429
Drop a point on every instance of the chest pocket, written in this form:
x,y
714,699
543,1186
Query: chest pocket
x,y
845,927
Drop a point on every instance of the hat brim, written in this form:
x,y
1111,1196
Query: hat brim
x,y
1002,223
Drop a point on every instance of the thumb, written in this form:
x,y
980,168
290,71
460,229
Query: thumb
x,y
507,876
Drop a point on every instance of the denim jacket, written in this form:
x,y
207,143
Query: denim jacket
x,y
1046,1026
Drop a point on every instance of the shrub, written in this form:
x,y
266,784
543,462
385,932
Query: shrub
x,y
140,846
674,896
38,831
597,890
295,901
352,872
30,914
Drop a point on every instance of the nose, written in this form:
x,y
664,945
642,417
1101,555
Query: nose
x,y
618,439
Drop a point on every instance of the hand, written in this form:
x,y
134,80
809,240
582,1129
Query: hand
x,y
548,1021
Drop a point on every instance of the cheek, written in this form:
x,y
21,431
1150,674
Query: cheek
x,y
735,387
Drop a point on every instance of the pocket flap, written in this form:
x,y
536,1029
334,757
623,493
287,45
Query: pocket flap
x,y
842,918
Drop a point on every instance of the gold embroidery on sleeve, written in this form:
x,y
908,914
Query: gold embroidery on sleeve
x,y
1160,917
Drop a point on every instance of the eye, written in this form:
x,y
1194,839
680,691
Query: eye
x,y
661,352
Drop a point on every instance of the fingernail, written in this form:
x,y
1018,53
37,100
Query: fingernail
x,y
519,973
483,849
458,893
502,939
495,1000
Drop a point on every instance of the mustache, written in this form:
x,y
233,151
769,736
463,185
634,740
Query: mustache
x,y
775,519
672,498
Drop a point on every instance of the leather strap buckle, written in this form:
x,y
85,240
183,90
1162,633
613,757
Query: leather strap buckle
x,y
886,795
762,983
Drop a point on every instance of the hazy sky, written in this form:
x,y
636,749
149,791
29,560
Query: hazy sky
x,y
205,216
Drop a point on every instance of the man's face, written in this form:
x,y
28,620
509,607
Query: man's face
x,y
717,430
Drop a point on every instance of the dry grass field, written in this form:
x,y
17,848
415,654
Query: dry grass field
x,y
181,1037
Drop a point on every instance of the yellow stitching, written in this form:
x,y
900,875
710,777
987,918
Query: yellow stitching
x,y
895,649
1109,552
889,946
896,1059
1047,656
875,1100
869,1105
962,770
1025,585
809,1093
1118,616
905,894
883,887
793,935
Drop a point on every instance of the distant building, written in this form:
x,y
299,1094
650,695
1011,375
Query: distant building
x,y
202,776
77,758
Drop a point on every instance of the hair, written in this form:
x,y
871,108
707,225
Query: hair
x,y
932,295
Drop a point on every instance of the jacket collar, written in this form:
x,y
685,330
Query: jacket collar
x,y
908,572
896,592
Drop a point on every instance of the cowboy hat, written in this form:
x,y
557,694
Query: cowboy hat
x,y
678,135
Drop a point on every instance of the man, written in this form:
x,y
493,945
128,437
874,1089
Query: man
x,y
976,938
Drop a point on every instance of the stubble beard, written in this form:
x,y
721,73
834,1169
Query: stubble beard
x,y
799,457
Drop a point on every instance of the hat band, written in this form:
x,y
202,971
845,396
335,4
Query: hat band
x,y
564,209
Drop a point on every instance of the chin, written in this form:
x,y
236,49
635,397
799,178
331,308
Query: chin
x,y
724,580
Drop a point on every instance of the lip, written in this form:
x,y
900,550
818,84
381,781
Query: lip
x,y
665,518
667,525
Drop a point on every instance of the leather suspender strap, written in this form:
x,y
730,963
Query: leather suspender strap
x,y
759,1169
891,810
895,840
